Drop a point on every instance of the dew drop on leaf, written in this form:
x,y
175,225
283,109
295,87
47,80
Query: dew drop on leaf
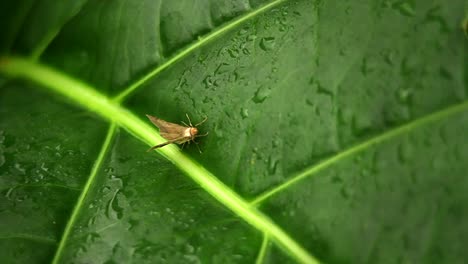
x,y
208,81
403,95
251,37
223,68
9,192
272,165
368,66
234,53
243,31
261,94
92,237
267,43
310,102
244,113
114,211
219,132
105,189
405,8
276,142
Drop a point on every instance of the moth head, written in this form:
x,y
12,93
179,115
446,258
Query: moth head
x,y
193,131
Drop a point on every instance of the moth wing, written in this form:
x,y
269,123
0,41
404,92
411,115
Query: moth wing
x,y
168,130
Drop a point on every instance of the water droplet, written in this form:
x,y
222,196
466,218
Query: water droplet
x,y
234,53
261,94
219,132
206,99
276,142
189,249
405,8
208,81
404,95
243,31
92,221
109,170
244,113
267,43
434,15
105,189
348,10
92,237
310,102
223,68
113,208
272,165
319,88
9,192
251,37
389,56
367,66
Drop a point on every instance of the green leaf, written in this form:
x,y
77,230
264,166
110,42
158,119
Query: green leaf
x,y
337,132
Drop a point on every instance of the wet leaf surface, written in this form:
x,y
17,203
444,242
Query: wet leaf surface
x,y
343,122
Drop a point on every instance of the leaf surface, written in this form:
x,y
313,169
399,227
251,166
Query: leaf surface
x,y
337,132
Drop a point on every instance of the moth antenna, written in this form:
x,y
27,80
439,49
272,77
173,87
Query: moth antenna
x,y
184,123
189,119
203,121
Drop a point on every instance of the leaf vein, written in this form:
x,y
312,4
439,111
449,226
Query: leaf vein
x,y
314,169
79,205
51,35
263,249
138,83
92,100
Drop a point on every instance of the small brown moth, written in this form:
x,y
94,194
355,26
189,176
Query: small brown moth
x,y
175,133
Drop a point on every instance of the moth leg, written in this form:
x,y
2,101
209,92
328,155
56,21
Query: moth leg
x,y
190,122
203,121
196,144
202,135
183,145
159,146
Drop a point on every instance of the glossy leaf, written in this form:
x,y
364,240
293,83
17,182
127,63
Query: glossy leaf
x,y
337,132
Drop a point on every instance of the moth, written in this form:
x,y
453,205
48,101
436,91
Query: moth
x,y
175,133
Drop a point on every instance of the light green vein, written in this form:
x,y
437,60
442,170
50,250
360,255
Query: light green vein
x,y
201,41
79,204
363,146
40,48
263,249
39,239
92,100
51,35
